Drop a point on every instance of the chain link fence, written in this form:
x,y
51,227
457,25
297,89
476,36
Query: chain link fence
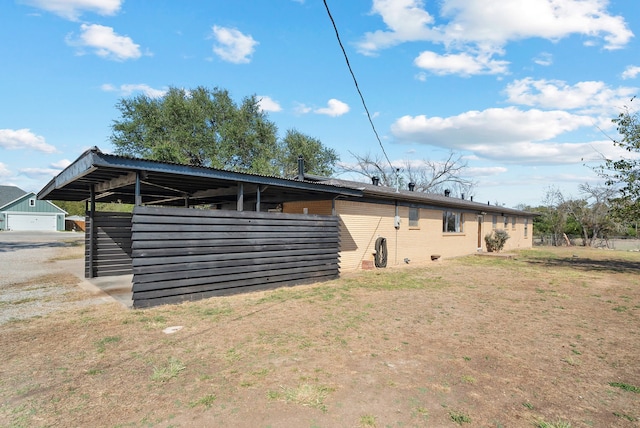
x,y
621,243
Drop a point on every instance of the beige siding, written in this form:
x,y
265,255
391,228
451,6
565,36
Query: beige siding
x,y
313,207
362,223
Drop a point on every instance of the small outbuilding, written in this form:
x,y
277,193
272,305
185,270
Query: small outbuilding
x,y
20,210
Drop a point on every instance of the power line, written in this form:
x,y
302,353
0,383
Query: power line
x,y
355,81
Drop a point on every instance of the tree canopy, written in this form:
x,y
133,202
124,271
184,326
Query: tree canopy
x,y
624,173
205,127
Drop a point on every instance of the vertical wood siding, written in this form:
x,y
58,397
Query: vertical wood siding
x,y
184,254
112,244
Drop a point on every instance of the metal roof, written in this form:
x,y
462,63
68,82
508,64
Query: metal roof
x,y
428,199
114,180
161,183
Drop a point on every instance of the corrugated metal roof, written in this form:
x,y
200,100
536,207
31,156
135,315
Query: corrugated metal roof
x,y
114,179
431,199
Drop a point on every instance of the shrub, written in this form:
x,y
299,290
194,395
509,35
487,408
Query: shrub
x,y
496,239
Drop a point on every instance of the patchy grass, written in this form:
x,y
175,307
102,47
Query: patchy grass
x,y
392,347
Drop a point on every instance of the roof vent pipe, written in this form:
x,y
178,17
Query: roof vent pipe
x,y
462,196
375,180
471,198
300,168
412,187
447,192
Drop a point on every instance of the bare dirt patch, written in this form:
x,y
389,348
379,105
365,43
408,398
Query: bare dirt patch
x,y
548,336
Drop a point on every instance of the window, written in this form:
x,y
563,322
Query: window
x,y
32,202
506,221
513,222
526,227
414,217
451,221
494,222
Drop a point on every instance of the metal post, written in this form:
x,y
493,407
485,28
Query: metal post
x,y
258,199
138,197
91,231
240,204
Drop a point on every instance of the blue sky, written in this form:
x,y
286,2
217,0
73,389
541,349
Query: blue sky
x,y
524,90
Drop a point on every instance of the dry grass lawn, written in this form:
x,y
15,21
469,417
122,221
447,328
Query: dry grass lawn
x,y
548,339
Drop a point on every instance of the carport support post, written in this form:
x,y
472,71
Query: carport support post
x,y
258,199
90,232
240,204
138,197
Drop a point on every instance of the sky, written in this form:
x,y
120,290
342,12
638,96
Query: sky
x,y
523,90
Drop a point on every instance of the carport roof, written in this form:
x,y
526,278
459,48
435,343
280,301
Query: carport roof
x,y
114,180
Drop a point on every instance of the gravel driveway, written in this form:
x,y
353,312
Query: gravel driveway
x,y
43,272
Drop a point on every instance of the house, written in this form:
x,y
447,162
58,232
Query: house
x,y
20,210
414,226
197,232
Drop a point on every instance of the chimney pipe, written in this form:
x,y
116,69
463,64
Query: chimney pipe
x,y
471,198
447,192
300,168
462,195
412,187
375,180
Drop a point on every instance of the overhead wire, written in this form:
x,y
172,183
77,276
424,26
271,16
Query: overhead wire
x,y
355,81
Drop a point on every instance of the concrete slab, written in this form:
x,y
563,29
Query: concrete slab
x,y
117,287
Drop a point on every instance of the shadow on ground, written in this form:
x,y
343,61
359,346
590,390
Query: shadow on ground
x,y
611,265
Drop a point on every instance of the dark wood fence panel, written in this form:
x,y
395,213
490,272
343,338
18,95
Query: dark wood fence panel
x,y
182,254
111,244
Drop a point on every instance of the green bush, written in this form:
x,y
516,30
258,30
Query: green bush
x,y
495,240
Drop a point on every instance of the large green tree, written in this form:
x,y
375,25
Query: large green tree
x,y
205,127
624,173
318,159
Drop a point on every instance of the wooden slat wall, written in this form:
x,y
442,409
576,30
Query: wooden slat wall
x,y
112,244
184,254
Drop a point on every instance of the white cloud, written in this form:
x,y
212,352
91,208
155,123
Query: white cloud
x,y
24,139
4,171
268,104
631,72
507,135
72,9
232,45
302,108
463,64
494,125
588,96
105,43
544,59
334,108
128,89
484,171
39,172
496,22
61,164
482,28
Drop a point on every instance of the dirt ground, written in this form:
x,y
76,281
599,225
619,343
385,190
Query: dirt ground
x,y
549,338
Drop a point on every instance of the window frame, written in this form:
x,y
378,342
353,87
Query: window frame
x,y
458,221
415,222
32,202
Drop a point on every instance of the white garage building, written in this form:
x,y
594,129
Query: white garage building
x,y
20,210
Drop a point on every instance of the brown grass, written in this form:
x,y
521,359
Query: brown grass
x,y
477,341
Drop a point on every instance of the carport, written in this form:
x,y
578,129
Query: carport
x,y
197,232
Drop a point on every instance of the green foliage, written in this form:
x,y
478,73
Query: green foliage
x,y
318,160
205,127
624,173
625,387
496,239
